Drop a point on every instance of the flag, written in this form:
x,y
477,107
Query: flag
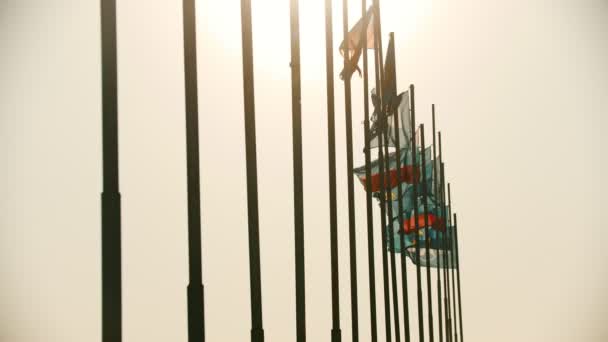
x,y
404,174
405,128
435,238
389,82
440,250
353,47
435,258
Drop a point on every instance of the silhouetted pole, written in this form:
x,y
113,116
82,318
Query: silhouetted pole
x,y
352,237
389,207
404,290
451,261
111,285
426,236
298,188
257,328
383,194
436,192
379,72
416,225
368,185
458,276
446,280
336,335
196,312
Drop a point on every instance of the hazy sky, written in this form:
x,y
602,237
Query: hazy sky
x,y
520,88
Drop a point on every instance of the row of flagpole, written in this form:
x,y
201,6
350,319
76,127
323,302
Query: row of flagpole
x,y
449,315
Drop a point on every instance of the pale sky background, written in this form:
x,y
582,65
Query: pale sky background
x,y
520,88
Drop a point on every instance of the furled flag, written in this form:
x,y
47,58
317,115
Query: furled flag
x,y
353,45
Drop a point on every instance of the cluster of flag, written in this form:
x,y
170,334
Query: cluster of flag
x,y
407,179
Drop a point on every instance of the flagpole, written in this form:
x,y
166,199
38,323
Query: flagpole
x,y
452,268
110,197
448,324
416,226
447,260
368,184
426,235
458,275
257,329
385,272
196,313
404,290
390,213
379,72
351,189
336,335
298,187
392,242
436,191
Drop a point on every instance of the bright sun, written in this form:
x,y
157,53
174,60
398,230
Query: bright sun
x,y
271,26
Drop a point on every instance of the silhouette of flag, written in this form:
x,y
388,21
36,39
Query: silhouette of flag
x,y
405,134
353,44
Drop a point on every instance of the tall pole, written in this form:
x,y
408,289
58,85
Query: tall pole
x,y
458,275
385,272
298,187
390,207
111,283
451,261
436,195
448,322
351,187
404,290
368,185
336,335
379,73
257,329
426,235
416,225
196,313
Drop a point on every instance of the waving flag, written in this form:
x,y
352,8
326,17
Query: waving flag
x,y
404,174
353,45
404,131
440,251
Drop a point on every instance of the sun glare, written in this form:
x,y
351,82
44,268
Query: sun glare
x,y
271,27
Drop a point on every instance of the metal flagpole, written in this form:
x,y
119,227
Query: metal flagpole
x,y
458,276
448,264
385,272
436,192
368,184
416,225
257,329
391,239
390,210
379,74
406,320
196,313
111,284
350,182
426,235
336,335
451,237
298,188
448,324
